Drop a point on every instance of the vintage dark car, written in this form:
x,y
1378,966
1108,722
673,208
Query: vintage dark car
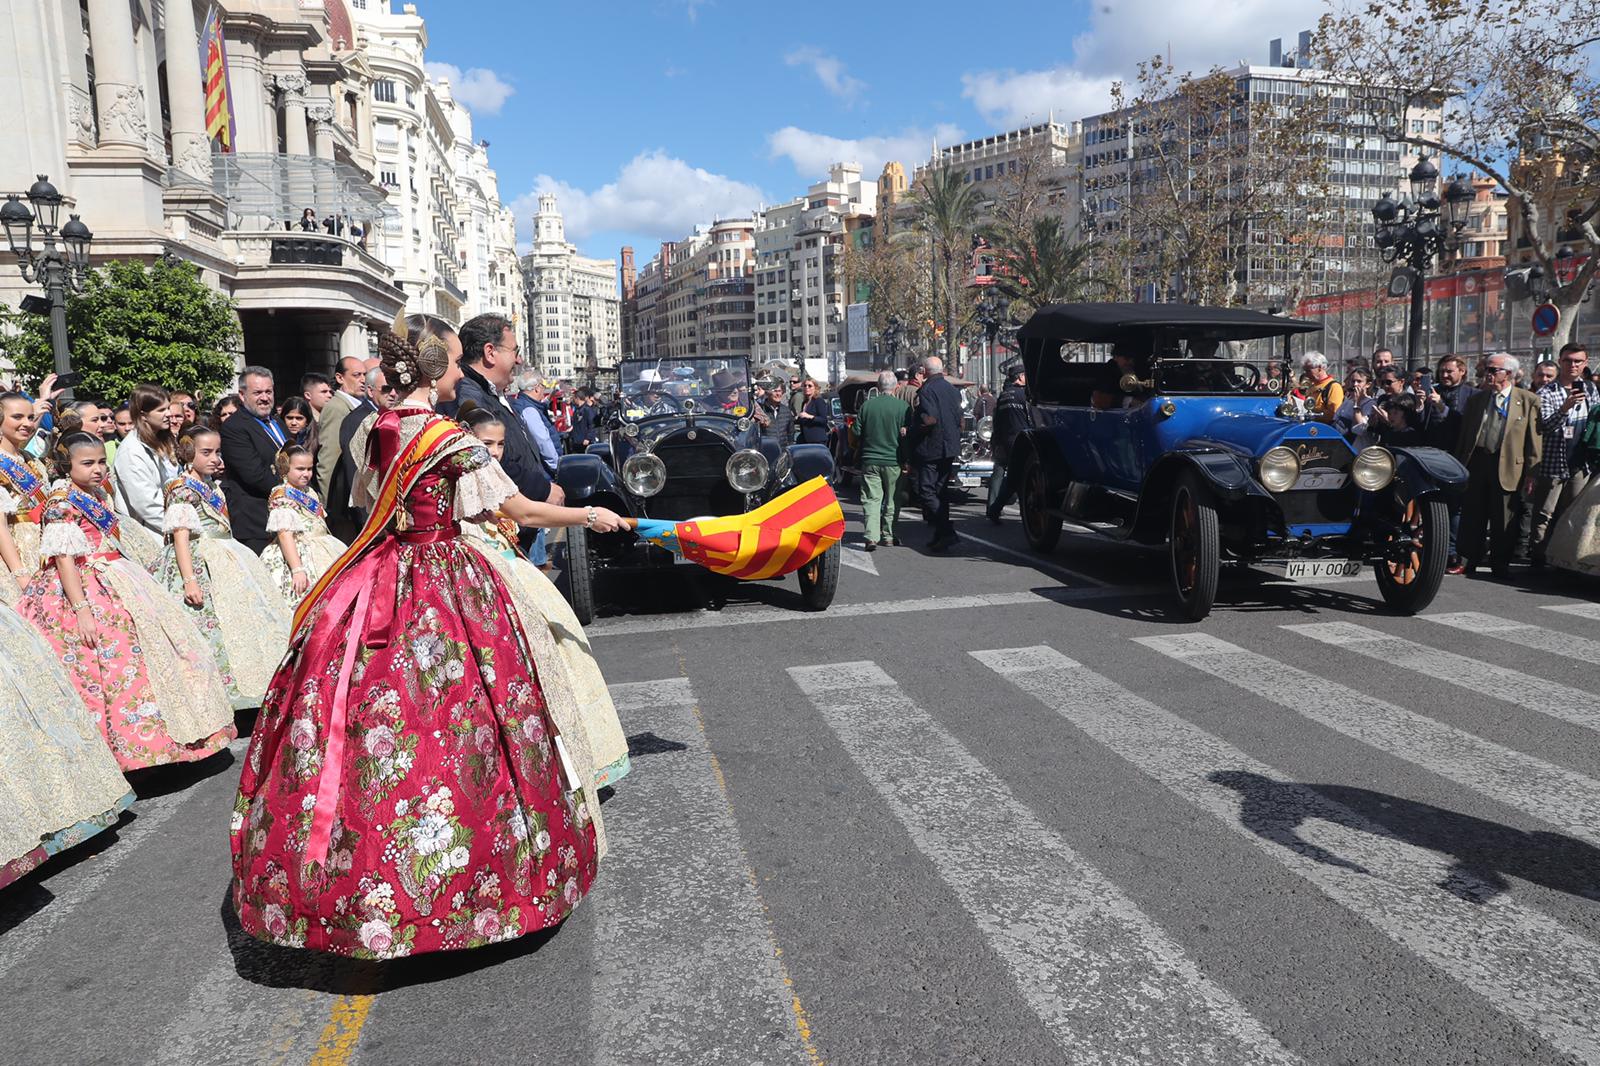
x,y
680,443
1194,447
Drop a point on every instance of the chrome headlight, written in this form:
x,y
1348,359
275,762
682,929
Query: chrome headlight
x,y
630,430
644,474
743,425
1373,468
1289,409
780,469
1279,469
986,428
747,470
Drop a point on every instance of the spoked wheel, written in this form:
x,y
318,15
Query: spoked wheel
x,y
1195,546
1039,525
579,575
1412,566
819,580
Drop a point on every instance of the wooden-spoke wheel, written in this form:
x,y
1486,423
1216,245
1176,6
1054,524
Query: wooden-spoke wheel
x,y
819,580
1412,560
1039,524
1195,547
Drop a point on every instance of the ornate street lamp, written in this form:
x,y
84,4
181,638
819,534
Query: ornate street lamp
x,y
891,340
1415,229
990,313
57,267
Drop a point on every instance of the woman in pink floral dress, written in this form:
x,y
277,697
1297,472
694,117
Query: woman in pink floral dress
x,y
139,663
408,788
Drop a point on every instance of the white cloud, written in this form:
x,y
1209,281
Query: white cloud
x,y
1121,35
812,153
1011,98
829,70
654,195
482,90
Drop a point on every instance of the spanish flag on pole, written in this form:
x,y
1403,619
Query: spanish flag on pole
x,y
219,91
776,538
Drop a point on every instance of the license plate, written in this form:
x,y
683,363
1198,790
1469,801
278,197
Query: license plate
x,y
1321,479
1315,569
969,481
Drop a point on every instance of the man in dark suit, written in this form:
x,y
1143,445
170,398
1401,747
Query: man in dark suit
x,y
489,357
250,443
934,436
344,518
1499,445
1446,406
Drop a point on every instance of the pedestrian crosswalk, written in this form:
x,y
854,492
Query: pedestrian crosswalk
x,y
689,960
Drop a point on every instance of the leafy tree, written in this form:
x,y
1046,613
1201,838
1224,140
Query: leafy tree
x,y
1044,264
134,324
947,217
1520,96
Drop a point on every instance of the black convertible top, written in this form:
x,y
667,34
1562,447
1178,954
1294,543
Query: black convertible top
x,y
1105,322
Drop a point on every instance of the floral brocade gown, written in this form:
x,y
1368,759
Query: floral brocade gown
x,y
23,487
242,614
301,513
440,813
149,681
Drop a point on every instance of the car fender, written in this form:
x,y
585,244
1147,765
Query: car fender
x,y
602,448
1040,443
1425,471
1227,473
810,460
583,477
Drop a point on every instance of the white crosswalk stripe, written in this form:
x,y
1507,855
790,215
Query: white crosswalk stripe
x,y
1077,947
1523,963
1562,797
1539,638
715,620
1578,610
857,559
1475,675
678,918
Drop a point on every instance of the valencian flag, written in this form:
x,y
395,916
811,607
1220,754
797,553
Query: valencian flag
x,y
219,91
776,538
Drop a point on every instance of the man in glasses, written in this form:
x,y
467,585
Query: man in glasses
x,y
1565,404
1500,447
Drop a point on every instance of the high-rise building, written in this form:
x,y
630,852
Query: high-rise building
x,y
486,248
800,285
1053,150
574,309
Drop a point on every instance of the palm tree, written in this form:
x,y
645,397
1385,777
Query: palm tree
x,y
1048,264
948,214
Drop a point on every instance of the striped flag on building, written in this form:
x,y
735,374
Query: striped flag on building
x,y
219,93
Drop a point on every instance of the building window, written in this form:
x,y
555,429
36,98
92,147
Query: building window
x,y
383,91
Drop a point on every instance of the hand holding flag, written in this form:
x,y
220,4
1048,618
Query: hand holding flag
x,y
775,539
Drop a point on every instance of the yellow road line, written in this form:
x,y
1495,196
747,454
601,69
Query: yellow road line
x,y
343,1031
802,1023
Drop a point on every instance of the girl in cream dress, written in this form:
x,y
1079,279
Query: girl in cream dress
x,y
233,599
304,549
539,601
24,483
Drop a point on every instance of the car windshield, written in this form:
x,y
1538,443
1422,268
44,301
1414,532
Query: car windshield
x,y
661,386
1207,377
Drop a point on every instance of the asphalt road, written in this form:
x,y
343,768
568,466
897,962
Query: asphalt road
x,y
987,809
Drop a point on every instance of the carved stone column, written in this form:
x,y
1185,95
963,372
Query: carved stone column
x,y
296,140
191,148
117,89
321,114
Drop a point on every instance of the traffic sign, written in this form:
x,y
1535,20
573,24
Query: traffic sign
x,y
1546,317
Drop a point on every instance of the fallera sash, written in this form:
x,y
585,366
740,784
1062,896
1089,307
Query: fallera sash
x,y
304,499
27,482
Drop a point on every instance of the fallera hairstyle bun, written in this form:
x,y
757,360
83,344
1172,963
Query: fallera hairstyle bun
x,y
408,364
286,455
66,443
186,442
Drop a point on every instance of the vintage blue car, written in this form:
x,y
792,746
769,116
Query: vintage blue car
x,y
1188,436
680,442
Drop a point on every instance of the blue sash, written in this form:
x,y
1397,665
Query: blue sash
x,y
27,482
214,499
304,499
95,511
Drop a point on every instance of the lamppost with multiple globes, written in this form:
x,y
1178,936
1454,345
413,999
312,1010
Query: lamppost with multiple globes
x,y
891,341
1412,231
58,267
990,313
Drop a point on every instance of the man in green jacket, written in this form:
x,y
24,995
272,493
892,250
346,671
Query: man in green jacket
x,y
881,425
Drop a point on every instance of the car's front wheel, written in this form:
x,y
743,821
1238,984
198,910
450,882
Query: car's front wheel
x,y
1195,546
1414,556
579,575
1040,524
819,580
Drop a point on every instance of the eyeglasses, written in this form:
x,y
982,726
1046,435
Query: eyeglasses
x,y
1499,370
387,389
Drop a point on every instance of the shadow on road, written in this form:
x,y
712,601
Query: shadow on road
x,y
278,967
177,777
1487,854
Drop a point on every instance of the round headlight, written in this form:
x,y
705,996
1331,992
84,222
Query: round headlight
x,y
630,429
1288,409
986,428
743,425
1279,469
780,469
747,470
1373,468
690,407
644,474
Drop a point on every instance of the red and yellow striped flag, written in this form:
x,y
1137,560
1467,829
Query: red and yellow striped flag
x,y
218,91
776,538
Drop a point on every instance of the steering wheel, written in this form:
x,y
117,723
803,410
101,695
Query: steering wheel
x,y
1244,382
666,404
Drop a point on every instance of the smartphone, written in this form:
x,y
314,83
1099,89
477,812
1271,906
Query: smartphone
x,y
69,380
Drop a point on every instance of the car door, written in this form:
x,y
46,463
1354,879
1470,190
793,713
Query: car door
x,y
1115,437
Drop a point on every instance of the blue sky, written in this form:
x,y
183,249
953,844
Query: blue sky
x,y
646,116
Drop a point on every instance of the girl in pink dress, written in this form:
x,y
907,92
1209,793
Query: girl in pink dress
x,y
143,669
408,788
